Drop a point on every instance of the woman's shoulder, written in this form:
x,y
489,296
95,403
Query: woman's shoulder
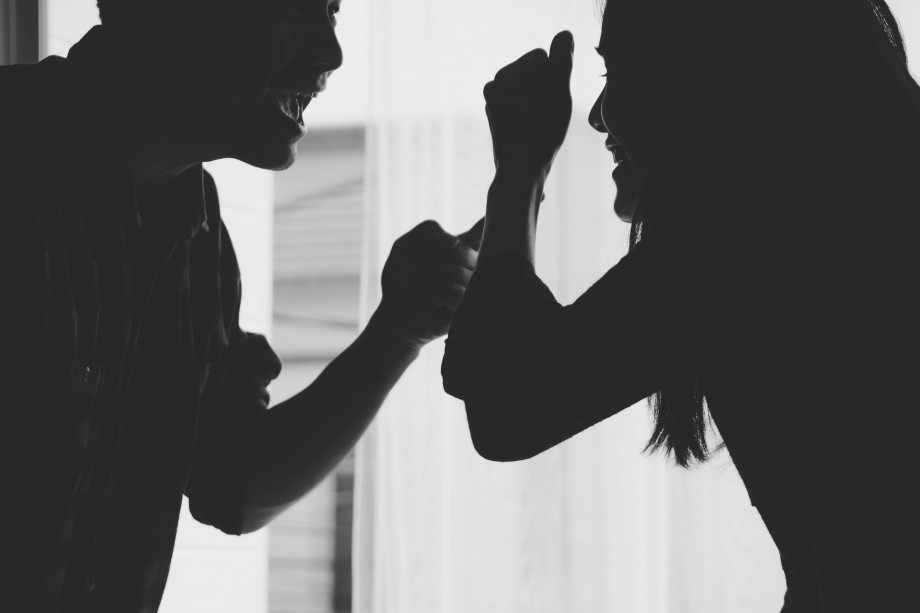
x,y
703,209
759,210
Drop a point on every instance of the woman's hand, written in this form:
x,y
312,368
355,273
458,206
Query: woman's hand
x,y
529,106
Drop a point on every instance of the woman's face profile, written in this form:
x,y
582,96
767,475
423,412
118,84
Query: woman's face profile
x,y
622,112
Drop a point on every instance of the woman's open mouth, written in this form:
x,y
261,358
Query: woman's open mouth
x,y
619,154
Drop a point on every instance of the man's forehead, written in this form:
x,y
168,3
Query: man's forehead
x,y
255,7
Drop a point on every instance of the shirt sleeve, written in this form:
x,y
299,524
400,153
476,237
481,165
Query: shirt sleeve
x,y
548,371
216,485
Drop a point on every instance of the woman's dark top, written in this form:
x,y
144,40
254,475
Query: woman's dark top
x,y
796,311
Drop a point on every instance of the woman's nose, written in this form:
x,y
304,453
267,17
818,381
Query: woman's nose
x,y
596,117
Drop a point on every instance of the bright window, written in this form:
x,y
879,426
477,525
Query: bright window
x,y
399,137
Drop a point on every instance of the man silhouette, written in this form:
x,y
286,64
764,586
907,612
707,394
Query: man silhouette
x,y
126,379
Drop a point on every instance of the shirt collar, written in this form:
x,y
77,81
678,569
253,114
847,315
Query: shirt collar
x,y
176,209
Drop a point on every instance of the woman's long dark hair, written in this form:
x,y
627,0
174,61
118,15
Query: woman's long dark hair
x,y
774,74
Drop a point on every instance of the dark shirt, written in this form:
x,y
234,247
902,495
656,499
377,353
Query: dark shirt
x,y
800,320
125,377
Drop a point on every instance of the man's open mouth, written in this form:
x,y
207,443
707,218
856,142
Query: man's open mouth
x,y
293,105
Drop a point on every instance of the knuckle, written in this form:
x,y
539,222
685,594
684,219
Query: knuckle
x,y
399,244
429,226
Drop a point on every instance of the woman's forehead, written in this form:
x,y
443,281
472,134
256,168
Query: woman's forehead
x,y
613,17
606,17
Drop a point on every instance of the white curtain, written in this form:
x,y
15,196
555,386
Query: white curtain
x,y
590,526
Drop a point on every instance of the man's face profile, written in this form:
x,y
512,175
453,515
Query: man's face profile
x,y
252,67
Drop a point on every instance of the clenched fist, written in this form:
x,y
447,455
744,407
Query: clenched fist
x,y
424,279
529,106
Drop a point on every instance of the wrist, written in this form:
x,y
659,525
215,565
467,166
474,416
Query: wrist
x,y
521,180
516,192
512,211
384,333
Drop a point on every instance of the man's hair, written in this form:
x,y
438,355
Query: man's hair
x,y
113,12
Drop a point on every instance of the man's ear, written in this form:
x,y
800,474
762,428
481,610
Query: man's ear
x,y
158,21
165,21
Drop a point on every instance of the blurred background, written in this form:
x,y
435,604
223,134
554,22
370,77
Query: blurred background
x,y
415,521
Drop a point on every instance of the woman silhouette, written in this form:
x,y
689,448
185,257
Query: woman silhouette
x,y
767,159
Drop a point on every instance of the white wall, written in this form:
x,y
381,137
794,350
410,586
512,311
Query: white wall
x,y
907,12
214,572
210,570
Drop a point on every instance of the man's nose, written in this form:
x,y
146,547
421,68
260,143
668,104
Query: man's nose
x,y
323,48
596,117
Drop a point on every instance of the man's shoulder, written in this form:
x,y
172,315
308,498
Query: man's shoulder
x,y
33,106
50,69
28,88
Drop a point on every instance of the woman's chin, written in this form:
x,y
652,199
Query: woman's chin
x,y
629,186
627,196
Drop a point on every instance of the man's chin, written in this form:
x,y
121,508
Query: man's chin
x,y
280,158
269,141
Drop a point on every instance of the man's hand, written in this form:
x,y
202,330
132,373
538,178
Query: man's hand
x,y
424,279
529,107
